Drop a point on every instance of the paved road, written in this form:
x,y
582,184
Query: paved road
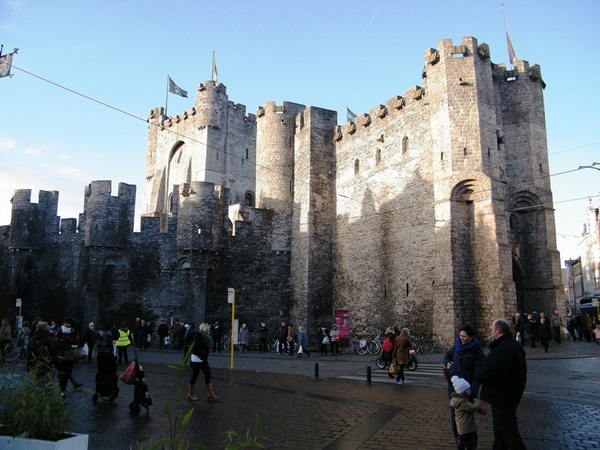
x,y
340,409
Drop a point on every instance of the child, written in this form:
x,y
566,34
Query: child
x,y
597,334
465,408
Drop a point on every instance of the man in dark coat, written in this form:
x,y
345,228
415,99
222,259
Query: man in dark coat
x,y
503,378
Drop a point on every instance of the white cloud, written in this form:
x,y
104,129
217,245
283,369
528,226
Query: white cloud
x,y
7,144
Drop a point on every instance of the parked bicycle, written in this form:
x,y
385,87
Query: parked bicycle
x,y
423,344
18,352
360,346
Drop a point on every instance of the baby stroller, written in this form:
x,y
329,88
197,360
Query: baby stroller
x,y
106,378
141,396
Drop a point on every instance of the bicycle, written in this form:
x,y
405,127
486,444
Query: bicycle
x,y
273,345
18,352
374,346
360,346
422,344
226,342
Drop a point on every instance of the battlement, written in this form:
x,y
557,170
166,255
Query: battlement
x,y
32,224
412,97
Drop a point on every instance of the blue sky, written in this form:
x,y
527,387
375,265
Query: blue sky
x,y
319,53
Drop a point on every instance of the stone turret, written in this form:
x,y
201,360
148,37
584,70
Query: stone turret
x,y
33,224
108,220
275,156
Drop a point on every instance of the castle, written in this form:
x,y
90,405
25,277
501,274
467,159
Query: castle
x,y
432,210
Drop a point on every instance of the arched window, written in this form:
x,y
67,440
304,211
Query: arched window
x,y
404,144
378,156
356,166
249,198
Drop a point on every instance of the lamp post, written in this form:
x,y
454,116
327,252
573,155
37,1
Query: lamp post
x,y
593,166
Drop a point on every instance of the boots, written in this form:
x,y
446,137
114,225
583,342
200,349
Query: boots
x,y
191,395
210,394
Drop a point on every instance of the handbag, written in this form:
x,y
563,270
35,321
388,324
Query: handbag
x,y
71,354
325,341
393,370
85,350
447,373
128,375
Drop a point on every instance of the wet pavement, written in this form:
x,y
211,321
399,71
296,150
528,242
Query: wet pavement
x,y
349,405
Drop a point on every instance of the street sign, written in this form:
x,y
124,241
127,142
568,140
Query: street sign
x,y
18,305
230,295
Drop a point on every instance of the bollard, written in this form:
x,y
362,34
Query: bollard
x,y
317,371
369,374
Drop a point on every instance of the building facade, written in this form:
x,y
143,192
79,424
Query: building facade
x,y
431,210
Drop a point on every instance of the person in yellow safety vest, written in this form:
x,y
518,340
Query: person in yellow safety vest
x,y
123,342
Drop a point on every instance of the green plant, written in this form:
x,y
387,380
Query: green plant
x,y
31,406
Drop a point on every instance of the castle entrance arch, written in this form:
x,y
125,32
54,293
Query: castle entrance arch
x,y
530,267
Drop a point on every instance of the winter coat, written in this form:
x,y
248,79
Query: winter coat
x,y
466,360
41,352
201,344
244,338
464,413
401,346
504,373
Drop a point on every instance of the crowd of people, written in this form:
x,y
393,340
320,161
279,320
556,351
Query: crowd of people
x,y
533,328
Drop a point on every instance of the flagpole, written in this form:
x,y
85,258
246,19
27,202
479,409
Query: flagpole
x,y
167,96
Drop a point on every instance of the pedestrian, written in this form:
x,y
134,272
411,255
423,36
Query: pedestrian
x,y
571,327
579,326
291,339
148,335
216,332
302,342
163,332
545,333
387,346
283,333
263,334
532,329
136,332
519,328
90,337
323,340
67,341
466,405
123,342
5,339
463,360
596,334
41,351
175,329
199,361
503,378
556,326
244,338
402,345
586,327
334,339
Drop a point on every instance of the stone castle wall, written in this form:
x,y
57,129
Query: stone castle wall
x,y
431,210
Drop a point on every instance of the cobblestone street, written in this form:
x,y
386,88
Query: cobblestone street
x,y
340,409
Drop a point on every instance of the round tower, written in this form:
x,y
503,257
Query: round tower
x,y
275,155
211,105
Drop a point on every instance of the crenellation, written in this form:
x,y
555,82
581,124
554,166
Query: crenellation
x,y
426,211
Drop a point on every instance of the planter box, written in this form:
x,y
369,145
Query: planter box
x,y
74,442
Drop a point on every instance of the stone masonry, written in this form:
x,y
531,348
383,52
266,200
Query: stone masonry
x,y
431,210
